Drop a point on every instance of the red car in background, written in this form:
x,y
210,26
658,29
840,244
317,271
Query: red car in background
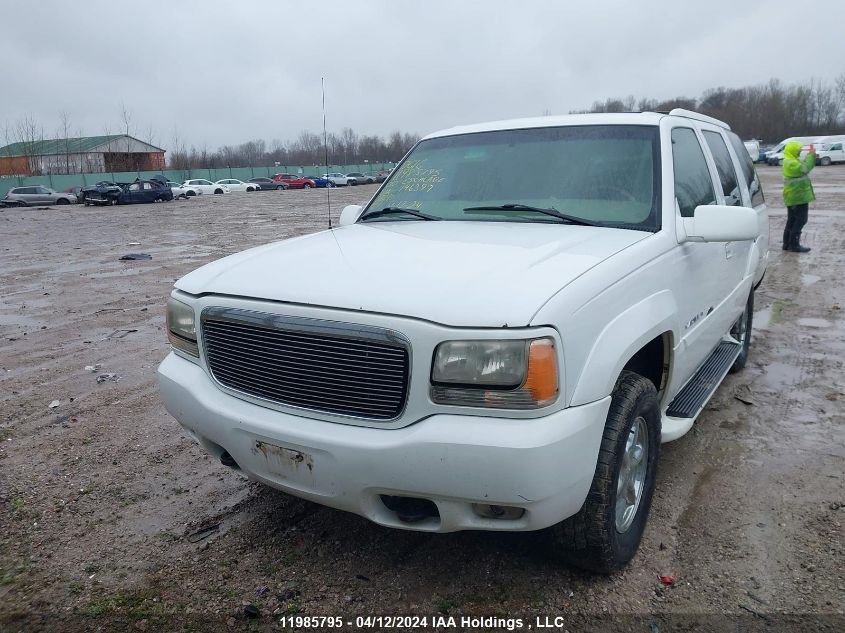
x,y
295,182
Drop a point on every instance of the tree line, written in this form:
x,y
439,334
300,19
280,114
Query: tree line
x,y
769,112
308,148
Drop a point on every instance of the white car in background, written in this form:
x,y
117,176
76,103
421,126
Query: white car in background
x,y
182,191
238,185
206,186
337,179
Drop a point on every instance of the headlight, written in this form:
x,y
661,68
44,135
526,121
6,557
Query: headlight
x,y
181,327
502,374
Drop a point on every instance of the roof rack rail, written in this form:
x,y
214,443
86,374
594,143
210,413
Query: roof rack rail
x,y
689,114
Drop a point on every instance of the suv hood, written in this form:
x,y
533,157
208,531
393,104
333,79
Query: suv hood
x,y
476,274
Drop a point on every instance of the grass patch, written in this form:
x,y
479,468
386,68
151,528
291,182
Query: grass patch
x,y
777,311
140,605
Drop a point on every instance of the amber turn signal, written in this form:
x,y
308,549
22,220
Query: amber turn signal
x,y
542,379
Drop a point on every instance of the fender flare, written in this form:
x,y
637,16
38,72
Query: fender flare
x,y
617,343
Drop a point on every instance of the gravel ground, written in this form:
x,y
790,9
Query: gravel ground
x,y
112,520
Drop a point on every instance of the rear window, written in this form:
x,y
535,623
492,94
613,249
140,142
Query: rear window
x,y
725,168
748,171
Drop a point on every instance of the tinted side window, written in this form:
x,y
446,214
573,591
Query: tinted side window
x,y
693,185
725,168
747,171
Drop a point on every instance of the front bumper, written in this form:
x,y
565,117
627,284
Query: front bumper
x,y
542,465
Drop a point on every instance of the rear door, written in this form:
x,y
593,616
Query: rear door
x,y
752,196
736,262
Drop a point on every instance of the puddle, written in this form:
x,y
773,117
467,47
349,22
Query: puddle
x,y
116,273
18,319
809,280
762,318
780,375
814,322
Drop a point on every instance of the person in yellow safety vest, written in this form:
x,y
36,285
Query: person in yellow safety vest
x,y
797,194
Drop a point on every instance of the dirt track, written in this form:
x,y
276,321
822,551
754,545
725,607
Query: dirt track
x,y
111,519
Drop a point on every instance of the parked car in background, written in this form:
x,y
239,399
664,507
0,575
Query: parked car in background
x,y
206,186
74,190
140,191
833,153
357,178
338,179
321,182
37,194
266,184
237,185
775,155
100,187
294,182
382,175
181,191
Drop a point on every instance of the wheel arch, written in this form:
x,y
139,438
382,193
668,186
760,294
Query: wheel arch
x,y
642,337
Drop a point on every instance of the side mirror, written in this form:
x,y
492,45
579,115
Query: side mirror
x,y
718,223
349,214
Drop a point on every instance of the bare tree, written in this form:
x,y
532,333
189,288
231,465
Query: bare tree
x,y
28,133
64,134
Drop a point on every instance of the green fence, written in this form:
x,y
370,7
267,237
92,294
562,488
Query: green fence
x,y
60,182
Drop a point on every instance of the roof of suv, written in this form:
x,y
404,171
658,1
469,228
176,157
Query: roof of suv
x,y
620,118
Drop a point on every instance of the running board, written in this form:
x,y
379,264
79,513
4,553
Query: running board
x,y
689,402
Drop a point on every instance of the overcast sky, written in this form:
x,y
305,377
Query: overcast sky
x,y
227,72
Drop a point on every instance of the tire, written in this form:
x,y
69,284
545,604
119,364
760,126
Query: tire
x,y
218,192
62,201
825,161
250,189
741,331
280,188
329,184
306,186
21,203
353,182
591,539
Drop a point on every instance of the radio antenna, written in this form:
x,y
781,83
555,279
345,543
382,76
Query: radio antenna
x,y
326,148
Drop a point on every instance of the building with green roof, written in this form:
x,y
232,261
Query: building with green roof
x,y
88,154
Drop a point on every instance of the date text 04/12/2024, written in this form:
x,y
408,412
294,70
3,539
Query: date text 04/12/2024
x,y
420,622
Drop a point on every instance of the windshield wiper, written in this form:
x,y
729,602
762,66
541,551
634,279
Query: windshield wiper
x,y
392,210
571,219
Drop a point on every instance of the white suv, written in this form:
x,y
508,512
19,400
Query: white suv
x,y
473,351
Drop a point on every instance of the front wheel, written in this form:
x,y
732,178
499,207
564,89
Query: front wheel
x,y
279,188
741,332
218,191
605,533
825,161
329,184
306,186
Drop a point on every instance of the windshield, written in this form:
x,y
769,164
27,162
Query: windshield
x,y
607,174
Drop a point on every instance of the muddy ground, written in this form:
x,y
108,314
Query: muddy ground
x,y
111,520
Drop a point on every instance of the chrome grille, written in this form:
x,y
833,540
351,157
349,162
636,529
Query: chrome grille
x,y
337,368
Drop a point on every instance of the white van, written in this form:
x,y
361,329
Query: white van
x,y
775,155
831,153
753,148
